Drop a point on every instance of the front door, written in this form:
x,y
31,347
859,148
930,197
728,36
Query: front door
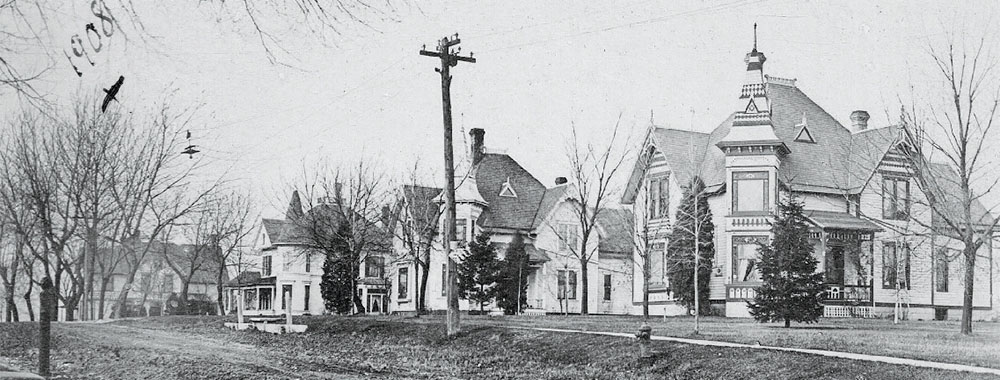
x,y
835,265
376,303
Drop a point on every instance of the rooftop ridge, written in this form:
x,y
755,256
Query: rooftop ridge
x,y
782,81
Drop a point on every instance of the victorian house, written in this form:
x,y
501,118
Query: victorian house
x,y
868,214
496,195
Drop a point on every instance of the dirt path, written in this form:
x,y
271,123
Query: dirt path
x,y
128,343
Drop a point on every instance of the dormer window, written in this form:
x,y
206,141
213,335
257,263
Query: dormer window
x,y
506,190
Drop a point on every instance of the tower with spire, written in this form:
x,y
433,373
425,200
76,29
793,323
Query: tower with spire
x,y
752,149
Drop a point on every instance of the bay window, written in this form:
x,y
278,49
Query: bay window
x,y
746,258
750,191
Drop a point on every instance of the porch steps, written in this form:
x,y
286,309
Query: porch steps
x,y
840,311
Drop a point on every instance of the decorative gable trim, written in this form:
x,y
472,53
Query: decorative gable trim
x,y
507,190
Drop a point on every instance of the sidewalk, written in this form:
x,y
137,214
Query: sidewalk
x,y
834,354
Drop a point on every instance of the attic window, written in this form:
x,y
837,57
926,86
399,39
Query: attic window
x,y
751,107
805,136
507,190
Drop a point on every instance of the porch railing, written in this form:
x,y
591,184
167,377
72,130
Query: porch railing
x,y
849,293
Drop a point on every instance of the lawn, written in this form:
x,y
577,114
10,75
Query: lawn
x,y
926,340
409,348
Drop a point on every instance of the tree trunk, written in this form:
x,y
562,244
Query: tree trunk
x,y
645,288
27,301
123,294
970,278
12,313
100,306
425,273
218,292
185,286
788,322
584,294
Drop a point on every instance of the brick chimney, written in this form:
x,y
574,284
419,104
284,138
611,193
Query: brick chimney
x,y
477,144
859,120
560,181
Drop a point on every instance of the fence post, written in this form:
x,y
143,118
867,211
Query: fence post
x,y
45,326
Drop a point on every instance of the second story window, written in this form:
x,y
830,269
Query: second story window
x,y
895,198
657,272
750,192
461,230
568,237
309,259
374,266
265,266
659,197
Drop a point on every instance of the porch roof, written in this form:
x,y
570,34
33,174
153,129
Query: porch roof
x,y
249,279
535,255
840,221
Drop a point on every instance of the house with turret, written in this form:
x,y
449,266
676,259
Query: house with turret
x,y
870,226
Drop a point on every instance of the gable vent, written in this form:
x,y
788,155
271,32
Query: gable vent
x,y
506,190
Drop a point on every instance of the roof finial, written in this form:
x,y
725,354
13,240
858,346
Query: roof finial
x,y
755,36
651,117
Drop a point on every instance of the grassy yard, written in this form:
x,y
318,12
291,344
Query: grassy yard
x,y
409,348
927,340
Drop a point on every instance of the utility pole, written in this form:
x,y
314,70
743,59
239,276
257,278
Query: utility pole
x,y
449,58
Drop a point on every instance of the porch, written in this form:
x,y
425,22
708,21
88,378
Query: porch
x,y
842,246
255,295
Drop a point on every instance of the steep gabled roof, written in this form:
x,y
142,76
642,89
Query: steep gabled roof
x,y
507,212
947,191
281,231
421,204
616,241
550,199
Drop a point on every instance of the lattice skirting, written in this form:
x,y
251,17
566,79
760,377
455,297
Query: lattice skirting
x,y
836,311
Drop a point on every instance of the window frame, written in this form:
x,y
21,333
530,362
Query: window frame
x,y
658,206
266,266
308,262
375,262
403,283
658,276
893,199
568,234
893,269
941,260
566,284
765,206
607,287
737,241
305,299
462,234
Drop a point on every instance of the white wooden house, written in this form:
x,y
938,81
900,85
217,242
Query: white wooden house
x,y
861,197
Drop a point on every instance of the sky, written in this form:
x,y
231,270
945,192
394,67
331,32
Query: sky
x,y
542,68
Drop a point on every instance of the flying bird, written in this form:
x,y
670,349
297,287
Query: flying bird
x,y
111,93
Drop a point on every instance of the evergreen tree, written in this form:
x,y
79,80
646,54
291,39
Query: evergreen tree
x,y
477,273
792,290
693,218
512,278
339,271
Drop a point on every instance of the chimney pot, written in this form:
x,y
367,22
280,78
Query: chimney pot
x,y
859,120
477,144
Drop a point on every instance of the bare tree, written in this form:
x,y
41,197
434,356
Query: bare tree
x,y
592,172
231,220
352,197
416,215
960,134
